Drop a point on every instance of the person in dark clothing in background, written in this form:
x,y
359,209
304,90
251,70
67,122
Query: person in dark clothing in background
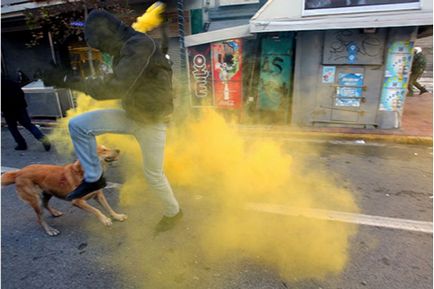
x,y
142,79
417,69
23,79
14,109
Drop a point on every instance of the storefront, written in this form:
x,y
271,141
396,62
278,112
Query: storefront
x,y
249,76
312,63
352,77
352,58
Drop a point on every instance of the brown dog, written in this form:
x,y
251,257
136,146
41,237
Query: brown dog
x,y
36,184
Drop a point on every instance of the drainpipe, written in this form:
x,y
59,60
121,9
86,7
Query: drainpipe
x,y
89,49
50,40
181,34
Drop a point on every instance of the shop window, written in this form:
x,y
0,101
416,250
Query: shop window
x,y
321,7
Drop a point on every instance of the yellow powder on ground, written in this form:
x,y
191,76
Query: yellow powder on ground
x,y
215,172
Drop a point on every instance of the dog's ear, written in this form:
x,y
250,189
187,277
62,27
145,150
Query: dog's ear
x,y
76,166
101,148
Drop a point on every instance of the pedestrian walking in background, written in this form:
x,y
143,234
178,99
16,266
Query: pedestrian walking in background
x,y
14,109
417,69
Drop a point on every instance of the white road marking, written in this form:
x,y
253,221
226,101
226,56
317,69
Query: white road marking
x,y
361,219
111,185
8,169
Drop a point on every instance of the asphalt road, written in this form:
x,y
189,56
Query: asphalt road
x,y
387,180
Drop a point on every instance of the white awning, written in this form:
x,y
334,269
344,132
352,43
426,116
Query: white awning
x,y
396,19
217,35
15,8
284,15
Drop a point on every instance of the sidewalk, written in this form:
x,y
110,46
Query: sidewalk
x,y
417,127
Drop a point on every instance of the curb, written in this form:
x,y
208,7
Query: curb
x,y
328,136
309,135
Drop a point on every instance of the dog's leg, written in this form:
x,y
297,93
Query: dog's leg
x,y
45,199
30,194
103,202
82,204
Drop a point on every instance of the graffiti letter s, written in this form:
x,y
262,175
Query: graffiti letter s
x,y
277,61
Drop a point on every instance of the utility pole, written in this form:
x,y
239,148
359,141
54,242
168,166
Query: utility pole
x,y
89,49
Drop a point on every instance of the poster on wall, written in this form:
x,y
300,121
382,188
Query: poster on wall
x,y
349,90
396,76
275,72
394,98
199,63
227,73
328,74
317,7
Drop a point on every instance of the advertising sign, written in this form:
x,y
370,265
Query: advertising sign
x,y
275,73
328,74
199,60
227,73
396,77
349,90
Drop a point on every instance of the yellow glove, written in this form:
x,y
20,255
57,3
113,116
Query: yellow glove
x,y
151,19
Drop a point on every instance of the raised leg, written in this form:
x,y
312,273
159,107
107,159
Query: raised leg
x,y
85,127
45,199
82,204
103,202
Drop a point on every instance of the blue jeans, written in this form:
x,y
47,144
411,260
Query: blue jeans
x,y
151,137
21,116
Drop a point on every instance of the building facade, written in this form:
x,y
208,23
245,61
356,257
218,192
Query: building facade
x,y
313,63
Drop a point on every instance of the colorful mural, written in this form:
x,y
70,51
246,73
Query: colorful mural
x,y
227,73
398,66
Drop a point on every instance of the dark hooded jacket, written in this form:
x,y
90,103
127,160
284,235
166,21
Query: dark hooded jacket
x,y
12,97
142,75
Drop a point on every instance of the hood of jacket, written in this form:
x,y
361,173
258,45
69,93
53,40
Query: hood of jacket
x,y
105,32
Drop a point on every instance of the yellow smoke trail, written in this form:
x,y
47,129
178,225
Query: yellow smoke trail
x,y
151,19
215,172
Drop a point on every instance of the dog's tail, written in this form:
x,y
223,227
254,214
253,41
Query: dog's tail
x,y
8,178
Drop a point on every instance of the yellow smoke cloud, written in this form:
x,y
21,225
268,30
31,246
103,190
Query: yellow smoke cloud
x,y
215,173
151,19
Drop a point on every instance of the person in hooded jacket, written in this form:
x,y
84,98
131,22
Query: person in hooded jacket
x,y
142,79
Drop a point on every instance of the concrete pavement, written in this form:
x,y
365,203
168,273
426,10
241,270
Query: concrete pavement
x,y
388,181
